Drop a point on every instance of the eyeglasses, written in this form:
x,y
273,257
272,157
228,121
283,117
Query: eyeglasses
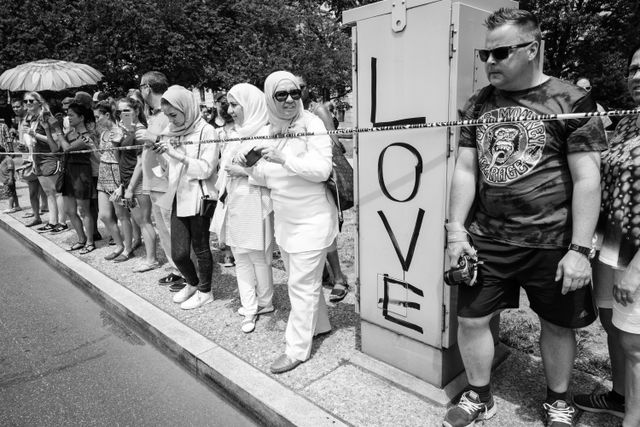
x,y
282,95
30,101
143,85
500,53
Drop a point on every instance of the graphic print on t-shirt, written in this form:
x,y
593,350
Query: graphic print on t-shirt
x,y
509,151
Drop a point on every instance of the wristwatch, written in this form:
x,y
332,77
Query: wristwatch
x,y
590,253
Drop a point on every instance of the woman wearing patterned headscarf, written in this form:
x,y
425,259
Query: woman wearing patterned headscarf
x,y
305,216
247,226
192,175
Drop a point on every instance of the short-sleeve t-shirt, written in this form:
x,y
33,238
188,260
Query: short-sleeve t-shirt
x,y
620,210
524,184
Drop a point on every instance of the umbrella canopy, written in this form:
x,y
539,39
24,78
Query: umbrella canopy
x,y
48,74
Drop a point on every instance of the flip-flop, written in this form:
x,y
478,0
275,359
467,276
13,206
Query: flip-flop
x,y
88,248
339,291
76,246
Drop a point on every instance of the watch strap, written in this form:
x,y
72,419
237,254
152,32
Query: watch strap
x,y
581,249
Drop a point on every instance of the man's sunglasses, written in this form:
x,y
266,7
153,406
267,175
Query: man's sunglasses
x,y
499,53
282,95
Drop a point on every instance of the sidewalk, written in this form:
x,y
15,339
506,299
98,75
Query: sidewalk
x,y
338,386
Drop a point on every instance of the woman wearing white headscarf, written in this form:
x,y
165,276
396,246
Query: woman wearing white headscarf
x,y
191,175
295,170
247,226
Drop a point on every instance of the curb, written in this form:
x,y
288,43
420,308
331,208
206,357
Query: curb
x,y
269,401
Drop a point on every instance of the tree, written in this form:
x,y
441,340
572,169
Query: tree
x,y
213,43
588,38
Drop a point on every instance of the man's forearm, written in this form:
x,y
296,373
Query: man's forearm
x,y
585,210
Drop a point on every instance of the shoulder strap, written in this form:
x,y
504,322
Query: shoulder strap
x,y
198,156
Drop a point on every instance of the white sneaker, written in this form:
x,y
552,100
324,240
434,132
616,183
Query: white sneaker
x,y
249,324
261,310
197,300
184,294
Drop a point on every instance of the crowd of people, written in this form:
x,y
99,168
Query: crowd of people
x,y
535,204
152,164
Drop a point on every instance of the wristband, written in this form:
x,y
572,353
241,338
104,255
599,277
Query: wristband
x,y
454,227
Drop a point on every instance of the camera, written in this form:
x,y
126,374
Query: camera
x,y
465,273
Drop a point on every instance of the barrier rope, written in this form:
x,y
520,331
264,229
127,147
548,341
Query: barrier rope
x,y
352,131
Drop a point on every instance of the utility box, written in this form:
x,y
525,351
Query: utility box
x,y
414,61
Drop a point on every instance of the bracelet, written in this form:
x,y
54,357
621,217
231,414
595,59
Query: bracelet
x,y
457,240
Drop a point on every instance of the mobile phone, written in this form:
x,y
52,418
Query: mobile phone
x,y
252,157
126,119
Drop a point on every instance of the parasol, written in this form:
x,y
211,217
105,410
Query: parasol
x,y
48,74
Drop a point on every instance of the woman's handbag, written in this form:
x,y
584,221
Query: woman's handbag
x,y
207,204
340,182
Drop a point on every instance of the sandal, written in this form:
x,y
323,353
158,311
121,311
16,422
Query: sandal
x,y
76,246
113,255
339,291
146,267
88,248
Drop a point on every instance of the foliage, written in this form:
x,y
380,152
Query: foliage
x,y
588,38
213,43
217,43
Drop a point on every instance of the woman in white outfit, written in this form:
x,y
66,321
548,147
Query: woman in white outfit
x,y
295,170
191,173
247,225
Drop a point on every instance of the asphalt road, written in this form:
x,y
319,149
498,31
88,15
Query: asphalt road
x,y
65,361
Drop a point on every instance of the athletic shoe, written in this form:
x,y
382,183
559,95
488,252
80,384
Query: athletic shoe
x,y
198,299
249,324
599,403
184,294
45,228
59,228
261,310
469,410
559,414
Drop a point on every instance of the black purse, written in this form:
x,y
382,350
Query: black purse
x,y
207,204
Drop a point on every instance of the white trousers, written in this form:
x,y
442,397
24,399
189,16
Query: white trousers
x,y
162,219
255,278
309,314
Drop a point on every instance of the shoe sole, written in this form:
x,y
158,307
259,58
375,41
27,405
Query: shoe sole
x,y
481,417
198,306
600,410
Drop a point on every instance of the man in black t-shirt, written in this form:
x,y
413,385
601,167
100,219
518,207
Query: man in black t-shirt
x,y
537,193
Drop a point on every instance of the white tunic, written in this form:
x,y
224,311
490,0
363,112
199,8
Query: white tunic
x,y
306,217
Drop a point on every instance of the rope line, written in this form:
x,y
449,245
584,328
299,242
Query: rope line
x,y
352,131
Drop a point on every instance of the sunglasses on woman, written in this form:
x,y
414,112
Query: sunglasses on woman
x,y
500,53
30,101
282,95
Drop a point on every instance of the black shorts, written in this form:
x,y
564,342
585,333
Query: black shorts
x,y
506,268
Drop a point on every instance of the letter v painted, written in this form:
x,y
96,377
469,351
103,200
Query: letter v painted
x,y
405,262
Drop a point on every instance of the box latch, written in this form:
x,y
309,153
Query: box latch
x,y
398,15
